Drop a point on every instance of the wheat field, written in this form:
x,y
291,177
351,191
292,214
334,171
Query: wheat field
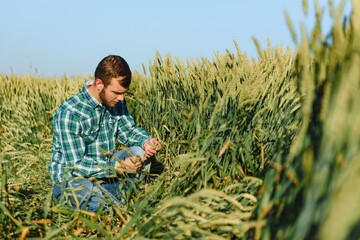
x,y
265,148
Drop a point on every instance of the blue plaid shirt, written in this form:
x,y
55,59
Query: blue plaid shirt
x,y
82,126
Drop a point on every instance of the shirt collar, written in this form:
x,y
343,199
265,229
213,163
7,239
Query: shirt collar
x,y
90,99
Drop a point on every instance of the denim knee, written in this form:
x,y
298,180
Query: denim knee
x,y
85,193
136,151
130,151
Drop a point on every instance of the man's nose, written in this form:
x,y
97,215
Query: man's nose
x,y
120,97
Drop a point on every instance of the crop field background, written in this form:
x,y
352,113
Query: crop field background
x,y
265,148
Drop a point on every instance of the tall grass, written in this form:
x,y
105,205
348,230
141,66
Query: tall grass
x,y
327,145
263,148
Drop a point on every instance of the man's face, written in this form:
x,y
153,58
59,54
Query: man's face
x,y
113,93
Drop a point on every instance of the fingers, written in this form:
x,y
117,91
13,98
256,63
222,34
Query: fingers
x,y
131,164
150,152
156,144
136,161
152,147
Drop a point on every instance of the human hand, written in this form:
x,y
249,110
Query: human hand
x,y
151,147
130,164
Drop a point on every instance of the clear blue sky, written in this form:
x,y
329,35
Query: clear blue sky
x,y
71,36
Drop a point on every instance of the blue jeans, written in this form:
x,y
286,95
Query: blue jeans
x,y
92,195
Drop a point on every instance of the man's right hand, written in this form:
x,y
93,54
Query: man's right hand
x,y
130,164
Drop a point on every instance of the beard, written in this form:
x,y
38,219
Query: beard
x,y
103,99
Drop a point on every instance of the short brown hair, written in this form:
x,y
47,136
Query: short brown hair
x,y
113,66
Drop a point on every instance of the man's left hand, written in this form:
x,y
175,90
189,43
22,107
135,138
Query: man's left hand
x,y
151,147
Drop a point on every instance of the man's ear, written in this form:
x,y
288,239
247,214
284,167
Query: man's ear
x,y
99,84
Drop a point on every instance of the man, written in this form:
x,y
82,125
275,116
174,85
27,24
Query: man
x,y
86,128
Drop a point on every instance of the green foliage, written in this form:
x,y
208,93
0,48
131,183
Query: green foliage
x,y
264,148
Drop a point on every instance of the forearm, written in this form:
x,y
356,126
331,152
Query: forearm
x,y
138,137
130,134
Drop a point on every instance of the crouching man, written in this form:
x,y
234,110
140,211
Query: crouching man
x,y
89,124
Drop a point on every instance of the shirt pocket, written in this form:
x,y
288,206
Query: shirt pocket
x,y
90,131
